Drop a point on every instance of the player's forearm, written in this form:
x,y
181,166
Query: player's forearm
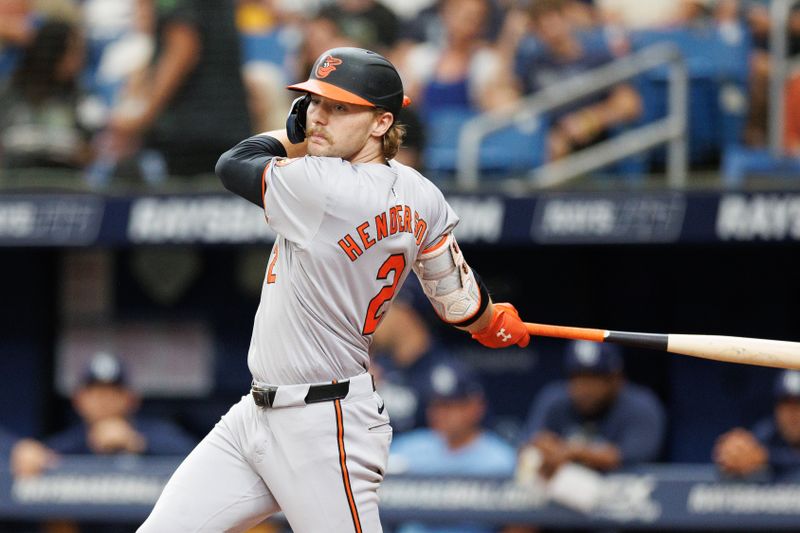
x,y
600,457
483,321
241,169
292,150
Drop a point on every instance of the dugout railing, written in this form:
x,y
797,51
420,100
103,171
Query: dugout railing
x,y
670,130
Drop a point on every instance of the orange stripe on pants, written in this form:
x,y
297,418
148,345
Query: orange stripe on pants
x,y
343,462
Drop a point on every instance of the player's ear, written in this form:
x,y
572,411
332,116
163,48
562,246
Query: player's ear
x,y
383,121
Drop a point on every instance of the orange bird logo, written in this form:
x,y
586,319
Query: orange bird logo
x,y
327,66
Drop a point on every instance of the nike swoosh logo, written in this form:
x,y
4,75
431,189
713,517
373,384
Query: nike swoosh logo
x,y
380,408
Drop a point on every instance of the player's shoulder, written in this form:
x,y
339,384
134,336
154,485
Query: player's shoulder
x,y
310,163
317,174
411,177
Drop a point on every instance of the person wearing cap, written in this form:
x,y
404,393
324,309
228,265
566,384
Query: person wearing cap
x,y
772,448
312,437
107,407
596,418
455,443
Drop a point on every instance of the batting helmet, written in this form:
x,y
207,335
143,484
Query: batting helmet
x,y
356,76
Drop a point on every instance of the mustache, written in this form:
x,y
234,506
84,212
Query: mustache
x,y
314,130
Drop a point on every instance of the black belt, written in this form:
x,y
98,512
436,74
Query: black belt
x,y
265,396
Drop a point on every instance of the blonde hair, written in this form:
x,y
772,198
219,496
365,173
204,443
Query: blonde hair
x,y
393,139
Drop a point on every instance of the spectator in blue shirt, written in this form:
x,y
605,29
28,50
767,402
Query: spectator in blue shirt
x,y
107,407
772,448
454,443
553,51
595,418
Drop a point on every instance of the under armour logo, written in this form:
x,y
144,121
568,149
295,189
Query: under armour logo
x,y
503,335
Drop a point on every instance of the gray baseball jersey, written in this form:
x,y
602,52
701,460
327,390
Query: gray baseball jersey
x,y
348,235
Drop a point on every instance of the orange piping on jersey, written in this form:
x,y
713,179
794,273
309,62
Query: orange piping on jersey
x,y
343,463
442,240
365,238
264,187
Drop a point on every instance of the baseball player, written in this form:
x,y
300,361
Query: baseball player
x,y
312,437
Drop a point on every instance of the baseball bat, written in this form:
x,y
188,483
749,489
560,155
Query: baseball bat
x,y
742,350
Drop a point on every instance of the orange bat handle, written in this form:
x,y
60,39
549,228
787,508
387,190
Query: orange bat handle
x,y
566,332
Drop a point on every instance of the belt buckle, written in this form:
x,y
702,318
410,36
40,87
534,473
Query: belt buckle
x,y
264,397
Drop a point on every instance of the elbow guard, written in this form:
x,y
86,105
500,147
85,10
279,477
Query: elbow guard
x,y
456,292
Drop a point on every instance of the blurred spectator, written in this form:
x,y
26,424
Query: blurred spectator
x,y
773,446
406,10
596,418
190,105
107,407
454,442
368,23
38,118
320,33
271,37
7,441
638,15
16,31
758,20
427,25
119,43
554,52
792,111
405,355
29,457
463,71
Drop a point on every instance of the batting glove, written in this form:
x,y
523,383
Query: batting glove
x,y
296,121
505,329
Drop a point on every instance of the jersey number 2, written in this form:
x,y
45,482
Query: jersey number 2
x,y
271,277
395,263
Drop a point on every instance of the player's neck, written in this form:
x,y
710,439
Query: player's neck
x,y
372,152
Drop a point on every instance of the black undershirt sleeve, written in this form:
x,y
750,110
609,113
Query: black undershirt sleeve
x,y
241,168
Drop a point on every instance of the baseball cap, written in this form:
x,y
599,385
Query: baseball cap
x,y
787,385
453,381
104,368
586,357
356,76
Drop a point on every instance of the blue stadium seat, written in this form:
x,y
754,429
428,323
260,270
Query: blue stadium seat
x,y
739,162
718,63
508,151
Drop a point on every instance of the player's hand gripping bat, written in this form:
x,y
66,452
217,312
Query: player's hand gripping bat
x,y
743,350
